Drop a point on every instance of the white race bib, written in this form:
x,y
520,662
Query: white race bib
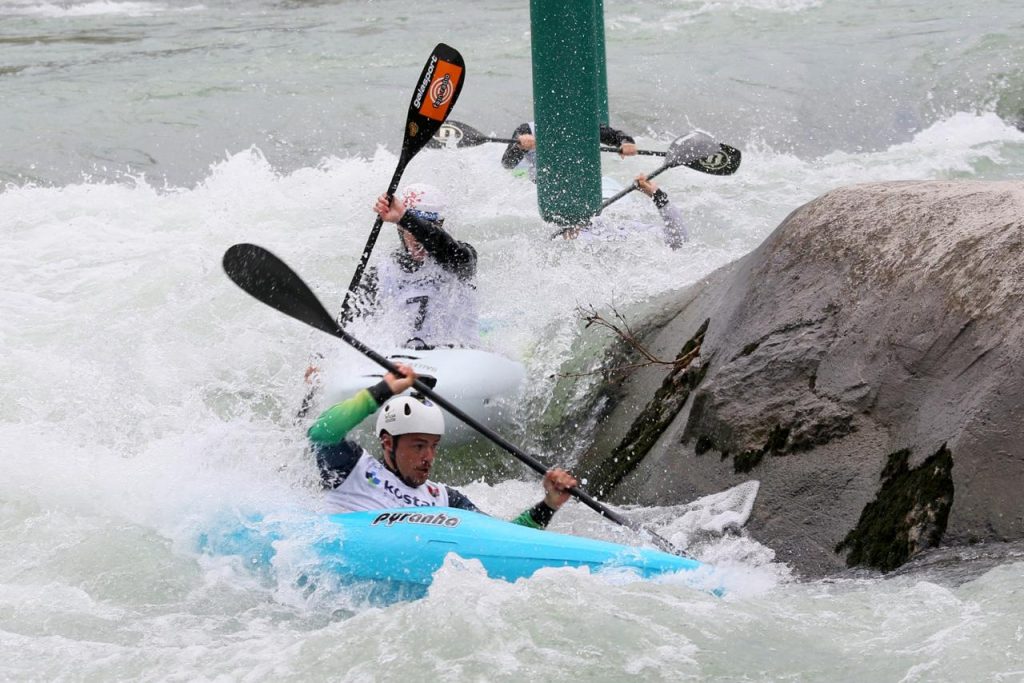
x,y
371,486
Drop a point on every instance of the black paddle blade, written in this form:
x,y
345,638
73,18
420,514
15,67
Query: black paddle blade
x,y
690,147
456,134
701,152
270,280
723,162
439,86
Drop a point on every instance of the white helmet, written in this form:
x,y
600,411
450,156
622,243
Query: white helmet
x,y
425,198
409,415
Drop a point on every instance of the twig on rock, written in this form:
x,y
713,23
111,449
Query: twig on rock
x,y
619,326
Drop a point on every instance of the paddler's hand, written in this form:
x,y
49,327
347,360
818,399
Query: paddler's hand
x,y
391,212
572,233
557,483
399,384
526,141
648,187
627,149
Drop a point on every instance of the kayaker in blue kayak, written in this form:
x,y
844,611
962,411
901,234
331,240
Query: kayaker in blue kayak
x,y
410,429
426,290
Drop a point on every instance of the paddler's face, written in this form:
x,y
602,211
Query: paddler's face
x,y
414,456
412,246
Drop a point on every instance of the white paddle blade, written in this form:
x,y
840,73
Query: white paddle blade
x,y
690,147
448,136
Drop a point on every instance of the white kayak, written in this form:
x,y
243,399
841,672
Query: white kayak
x,y
483,384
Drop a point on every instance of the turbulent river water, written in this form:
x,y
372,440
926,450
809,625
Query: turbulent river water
x,y
142,396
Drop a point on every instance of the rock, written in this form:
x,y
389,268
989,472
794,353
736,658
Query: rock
x,y
864,364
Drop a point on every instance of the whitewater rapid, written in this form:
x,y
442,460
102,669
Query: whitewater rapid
x,y
143,397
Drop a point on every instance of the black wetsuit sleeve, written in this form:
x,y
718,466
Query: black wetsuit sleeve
x,y
380,392
614,137
459,501
453,255
514,153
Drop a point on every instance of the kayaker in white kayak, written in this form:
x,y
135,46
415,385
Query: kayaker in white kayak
x,y
410,429
424,293
426,289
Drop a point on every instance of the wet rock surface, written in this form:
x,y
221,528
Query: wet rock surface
x,y
863,364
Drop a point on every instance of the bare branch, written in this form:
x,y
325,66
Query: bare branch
x,y
620,328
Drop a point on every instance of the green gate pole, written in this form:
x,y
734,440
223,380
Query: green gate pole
x,y
601,63
565,108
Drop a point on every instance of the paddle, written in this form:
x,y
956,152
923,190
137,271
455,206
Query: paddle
x,y
458,134
269,279
438,87
721,161
695,147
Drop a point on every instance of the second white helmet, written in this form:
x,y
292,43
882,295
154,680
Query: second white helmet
x,y
425,198
409,415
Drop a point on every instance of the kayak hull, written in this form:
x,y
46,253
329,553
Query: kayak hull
x,y
405,547
411,545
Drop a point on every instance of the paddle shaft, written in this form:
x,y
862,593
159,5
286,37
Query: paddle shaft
x,y
721,159
498,440
271,281
371,241
623,192
640,152
439,86
617,196
604,148
614,198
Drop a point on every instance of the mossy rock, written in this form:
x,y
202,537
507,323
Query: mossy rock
x,y
908,515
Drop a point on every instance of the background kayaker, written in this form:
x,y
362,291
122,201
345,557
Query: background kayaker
x,y
424,293
410,429
522,154
673,229
426,288
604,228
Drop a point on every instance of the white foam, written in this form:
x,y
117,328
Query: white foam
x,y
142,392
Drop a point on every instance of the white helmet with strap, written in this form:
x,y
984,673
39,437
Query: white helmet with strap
x,y
410,415
425,198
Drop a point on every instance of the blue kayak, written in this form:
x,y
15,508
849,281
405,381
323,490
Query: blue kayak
x,y
404,547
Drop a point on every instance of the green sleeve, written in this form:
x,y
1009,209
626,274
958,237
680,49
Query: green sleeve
x,y
536,517
335,422
524,519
